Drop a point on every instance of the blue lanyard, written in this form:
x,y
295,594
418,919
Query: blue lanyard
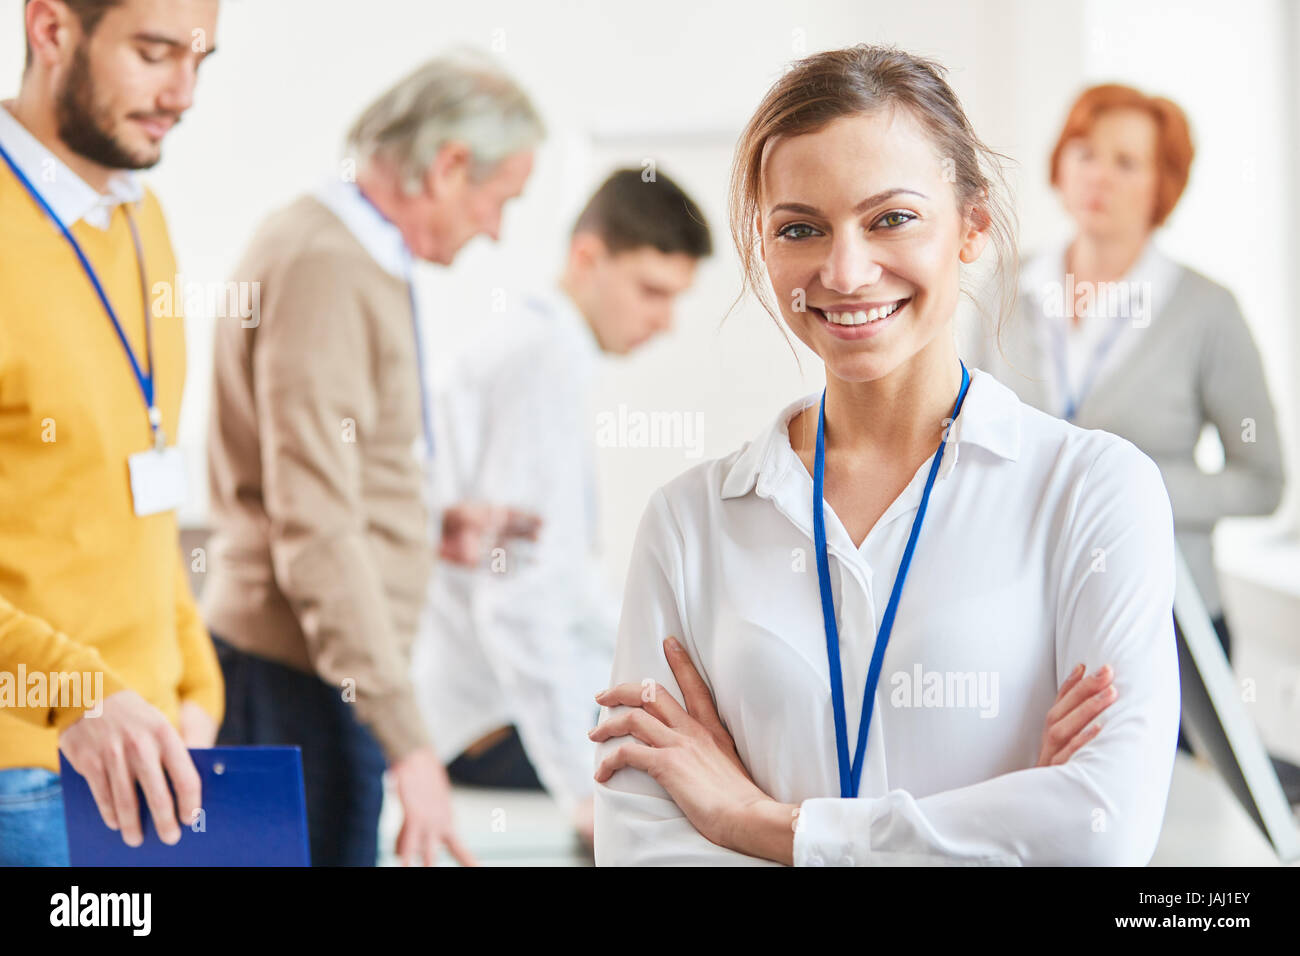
x,y
1072,401
419,368
851,773
425,416
143,379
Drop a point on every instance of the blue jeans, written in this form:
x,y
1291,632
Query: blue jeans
x,y
342,765
32,832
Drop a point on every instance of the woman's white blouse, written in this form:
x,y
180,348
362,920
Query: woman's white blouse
x,y
1044,546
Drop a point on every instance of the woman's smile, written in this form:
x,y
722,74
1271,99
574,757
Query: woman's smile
x,y
860,320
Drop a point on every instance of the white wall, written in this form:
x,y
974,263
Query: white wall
x,y
1226,67
674,82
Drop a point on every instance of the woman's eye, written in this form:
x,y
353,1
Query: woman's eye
x,y
895,219
789,231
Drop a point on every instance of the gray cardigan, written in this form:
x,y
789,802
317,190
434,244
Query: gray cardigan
x,y
1195,363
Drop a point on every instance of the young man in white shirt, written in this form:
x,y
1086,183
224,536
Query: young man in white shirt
x,y
514,649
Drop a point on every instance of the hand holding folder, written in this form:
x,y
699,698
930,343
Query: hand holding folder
x,y
253,814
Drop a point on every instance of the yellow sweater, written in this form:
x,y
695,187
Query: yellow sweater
x,y
86,586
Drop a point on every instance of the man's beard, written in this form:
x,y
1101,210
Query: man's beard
x,y
85,127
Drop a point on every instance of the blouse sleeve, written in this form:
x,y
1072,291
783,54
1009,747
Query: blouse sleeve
x,y
636,821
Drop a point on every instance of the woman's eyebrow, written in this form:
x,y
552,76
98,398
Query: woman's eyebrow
x,y
867,203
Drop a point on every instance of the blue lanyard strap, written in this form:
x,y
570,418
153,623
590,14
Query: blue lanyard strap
x,y
1073,401
419,367
425,415
851,773
143,379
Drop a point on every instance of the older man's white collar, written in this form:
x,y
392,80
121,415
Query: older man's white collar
x,y
70,196
377,235
990,418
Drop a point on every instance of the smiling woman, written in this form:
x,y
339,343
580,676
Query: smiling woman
x,y
955,532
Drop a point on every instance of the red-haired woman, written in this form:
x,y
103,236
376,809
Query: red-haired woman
x,y
1111,333
913,554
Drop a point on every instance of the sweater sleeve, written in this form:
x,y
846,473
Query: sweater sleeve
x,y
315,401
201,681
1234,397
30,643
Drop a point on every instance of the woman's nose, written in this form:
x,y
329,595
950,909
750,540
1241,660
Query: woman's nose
x,y
850,264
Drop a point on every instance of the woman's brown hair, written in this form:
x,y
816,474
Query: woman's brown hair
x,y
862,79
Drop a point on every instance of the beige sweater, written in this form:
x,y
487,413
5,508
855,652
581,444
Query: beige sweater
x,y
320,557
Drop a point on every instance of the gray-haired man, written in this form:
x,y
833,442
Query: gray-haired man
x,y
319,426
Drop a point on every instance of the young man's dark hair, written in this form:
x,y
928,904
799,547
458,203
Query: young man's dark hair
x,y
629,212
88,12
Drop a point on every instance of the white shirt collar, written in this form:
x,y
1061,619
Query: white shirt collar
x,y
379,237
556,302
990,418
70,196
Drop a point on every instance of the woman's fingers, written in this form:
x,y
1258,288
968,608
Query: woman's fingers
x,y
629,754
1065,730
634,723
1081,690
695,693
650,696
1075,676
1081,738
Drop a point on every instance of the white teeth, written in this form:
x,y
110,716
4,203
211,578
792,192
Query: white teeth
x,y
862,318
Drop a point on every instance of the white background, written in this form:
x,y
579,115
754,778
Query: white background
x,y
674,81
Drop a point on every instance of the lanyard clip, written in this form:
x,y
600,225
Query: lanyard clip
x,y
155,422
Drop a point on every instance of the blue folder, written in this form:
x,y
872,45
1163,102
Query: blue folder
x,y
254,814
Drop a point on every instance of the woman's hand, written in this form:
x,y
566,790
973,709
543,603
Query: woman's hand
x,y
1079,701
686,750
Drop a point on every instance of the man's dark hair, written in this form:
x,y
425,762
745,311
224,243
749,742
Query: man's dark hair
x,y
88,13
631,210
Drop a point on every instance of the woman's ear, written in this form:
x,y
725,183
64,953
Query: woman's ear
x,y
976,236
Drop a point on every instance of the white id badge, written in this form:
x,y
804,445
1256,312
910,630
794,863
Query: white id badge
x,y
157,480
